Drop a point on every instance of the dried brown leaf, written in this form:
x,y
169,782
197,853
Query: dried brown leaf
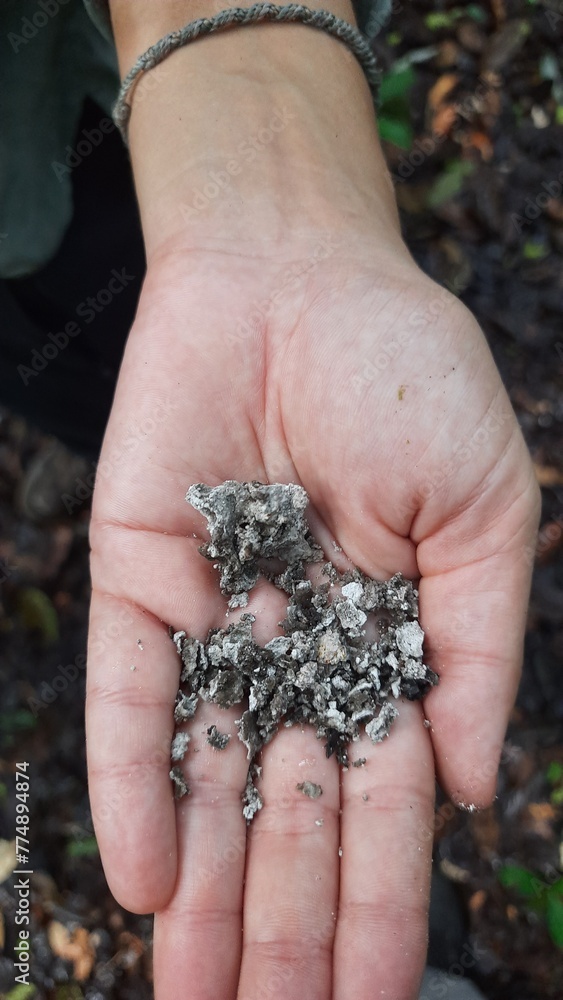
x,y
131,948
73,946
453,872
486,831
7,859
444,119
441,89
477,900
548,475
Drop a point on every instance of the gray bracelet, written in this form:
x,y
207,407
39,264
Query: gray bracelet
x,y
232,18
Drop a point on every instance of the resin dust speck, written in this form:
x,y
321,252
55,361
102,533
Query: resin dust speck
x,y
326,669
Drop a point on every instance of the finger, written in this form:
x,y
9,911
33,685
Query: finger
x,y
473,619
132,681
291,888
476,573
163,573
377,547
198,936
386,833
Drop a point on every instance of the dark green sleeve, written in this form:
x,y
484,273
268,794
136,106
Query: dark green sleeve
x,y
53,59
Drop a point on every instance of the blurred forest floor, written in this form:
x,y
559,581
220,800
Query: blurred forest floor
x,y
472,118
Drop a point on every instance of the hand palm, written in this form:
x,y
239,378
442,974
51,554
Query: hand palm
x,y
380,397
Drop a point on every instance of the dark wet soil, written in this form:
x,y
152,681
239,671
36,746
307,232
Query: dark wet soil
x,y
480,196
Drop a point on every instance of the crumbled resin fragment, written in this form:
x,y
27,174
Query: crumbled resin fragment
x,y
251,522
179,746
310,789
379,728
216,739
351,646
179,782
251,798
185,706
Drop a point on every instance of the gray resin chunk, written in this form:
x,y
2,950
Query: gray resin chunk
x,y
379,728
179,782
310,789
185,706
216,739
251,798
250,522
328,668
179,746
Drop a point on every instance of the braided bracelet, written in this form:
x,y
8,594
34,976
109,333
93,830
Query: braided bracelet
x,y
235,17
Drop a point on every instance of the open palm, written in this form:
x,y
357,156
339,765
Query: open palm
x,y
351,373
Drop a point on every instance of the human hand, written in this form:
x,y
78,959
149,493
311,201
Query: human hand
x,y
396,423
329,360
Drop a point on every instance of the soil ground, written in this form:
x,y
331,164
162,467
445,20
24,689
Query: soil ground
x,y
480,196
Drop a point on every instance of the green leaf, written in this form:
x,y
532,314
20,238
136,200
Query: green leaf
x,y
87,848
556,797
17,721
22,991
399,133
445,18
549,67
475,12
415,56
394,116
533,250
554,772
396,84
70,991
554,917
38,613
524,881
438,19
449,183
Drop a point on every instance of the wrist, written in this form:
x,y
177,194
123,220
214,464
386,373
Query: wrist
x,y
251,134
137,24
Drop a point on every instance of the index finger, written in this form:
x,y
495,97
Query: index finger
x,y
132,681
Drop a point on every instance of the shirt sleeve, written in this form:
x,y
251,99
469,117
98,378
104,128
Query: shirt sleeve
x,y
51,63
372,15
